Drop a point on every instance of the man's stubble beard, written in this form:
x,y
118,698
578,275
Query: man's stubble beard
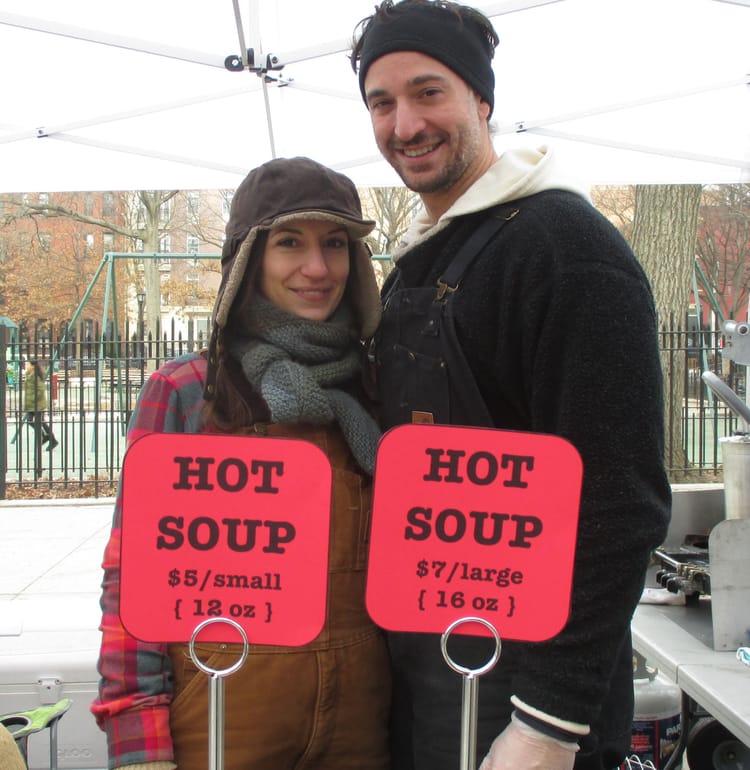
x,y
469,143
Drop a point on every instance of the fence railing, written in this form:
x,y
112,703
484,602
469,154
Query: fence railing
x,y
92,388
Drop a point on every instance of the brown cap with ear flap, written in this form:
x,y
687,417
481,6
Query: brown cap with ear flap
x,y
284,190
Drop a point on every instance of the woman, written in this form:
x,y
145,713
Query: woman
x,y
35,402
286,358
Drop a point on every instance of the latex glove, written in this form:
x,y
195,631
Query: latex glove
x,y
520,747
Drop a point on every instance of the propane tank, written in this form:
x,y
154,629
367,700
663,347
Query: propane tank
x,y
656,717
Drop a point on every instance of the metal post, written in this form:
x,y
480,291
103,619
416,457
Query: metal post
x,y
469,714
3,415
141,298
216,690
216,722
470,691
38,465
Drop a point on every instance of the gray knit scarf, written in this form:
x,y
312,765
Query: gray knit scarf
x,y
298,366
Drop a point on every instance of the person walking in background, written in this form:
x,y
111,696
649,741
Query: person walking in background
x,y
35,405
286,358
539,332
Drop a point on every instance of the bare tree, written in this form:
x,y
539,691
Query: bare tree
x,y
617,203
393,209
147,215
135,216
47,264
208,223
146,221
723,248
664,239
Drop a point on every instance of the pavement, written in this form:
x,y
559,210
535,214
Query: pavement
x,y
52,547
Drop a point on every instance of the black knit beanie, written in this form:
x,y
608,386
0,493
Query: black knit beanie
x,y
460,44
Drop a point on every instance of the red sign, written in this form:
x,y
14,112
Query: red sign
x,y
473,522
224,526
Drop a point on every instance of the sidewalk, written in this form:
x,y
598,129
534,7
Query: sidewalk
x,y
52,546
50,577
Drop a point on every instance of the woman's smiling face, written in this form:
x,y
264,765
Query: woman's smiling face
x,y
305,267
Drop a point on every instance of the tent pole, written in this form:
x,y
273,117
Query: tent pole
x,y
258,64
269,119
240,33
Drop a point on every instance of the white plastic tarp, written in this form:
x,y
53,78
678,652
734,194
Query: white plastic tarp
x,y
135,95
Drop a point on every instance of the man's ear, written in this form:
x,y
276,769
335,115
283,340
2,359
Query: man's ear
x,y
484,108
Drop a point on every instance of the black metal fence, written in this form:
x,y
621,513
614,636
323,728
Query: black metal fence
x,y
696,420
93,383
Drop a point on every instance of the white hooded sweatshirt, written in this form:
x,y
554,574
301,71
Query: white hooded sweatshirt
x,y
516,174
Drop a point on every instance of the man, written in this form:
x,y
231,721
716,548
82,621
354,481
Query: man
x,y
553,331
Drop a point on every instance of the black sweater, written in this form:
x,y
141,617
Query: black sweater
x,y
557,322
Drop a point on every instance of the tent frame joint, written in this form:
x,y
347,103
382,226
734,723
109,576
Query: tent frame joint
x,y
271,62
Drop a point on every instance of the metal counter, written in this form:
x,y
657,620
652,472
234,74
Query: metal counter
x,y
678,640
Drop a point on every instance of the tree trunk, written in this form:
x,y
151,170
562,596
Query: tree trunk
x,y
664,240
151,275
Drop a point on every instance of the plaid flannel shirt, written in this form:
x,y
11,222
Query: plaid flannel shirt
x,y
135,689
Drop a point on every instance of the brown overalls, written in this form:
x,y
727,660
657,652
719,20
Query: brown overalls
x,y
323,706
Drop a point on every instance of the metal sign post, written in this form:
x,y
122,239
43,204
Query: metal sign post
x,y
216,691
470,690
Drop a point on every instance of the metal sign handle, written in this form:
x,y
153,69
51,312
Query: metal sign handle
x,y
216,691
470,689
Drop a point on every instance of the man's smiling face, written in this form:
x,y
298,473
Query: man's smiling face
x,y
428,123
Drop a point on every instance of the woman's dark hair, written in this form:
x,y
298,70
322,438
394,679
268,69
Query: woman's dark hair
x,y
230,409
235,404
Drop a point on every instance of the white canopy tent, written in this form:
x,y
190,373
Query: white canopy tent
x,y
113,95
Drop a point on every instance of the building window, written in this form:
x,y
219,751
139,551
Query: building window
x,y
108,241
45,241
194,204
165,213
193,244
108,205
88,204
89,240
44,199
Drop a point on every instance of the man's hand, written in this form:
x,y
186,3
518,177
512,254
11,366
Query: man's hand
x,y
520,747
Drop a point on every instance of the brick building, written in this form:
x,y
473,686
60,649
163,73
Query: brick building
x,y
56,260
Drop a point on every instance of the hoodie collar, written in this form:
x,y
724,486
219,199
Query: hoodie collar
x,y
516,174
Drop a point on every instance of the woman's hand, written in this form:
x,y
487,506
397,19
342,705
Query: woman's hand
x,y
520,747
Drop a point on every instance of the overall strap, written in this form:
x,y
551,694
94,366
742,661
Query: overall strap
x,y
423,373
395,284
472,247
468,404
